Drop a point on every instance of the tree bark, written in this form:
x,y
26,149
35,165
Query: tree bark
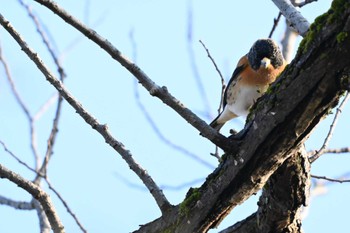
x,y
278,125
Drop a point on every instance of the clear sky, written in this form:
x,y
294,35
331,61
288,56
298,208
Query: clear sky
x,y
96,183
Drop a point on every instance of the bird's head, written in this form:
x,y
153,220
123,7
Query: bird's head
x,y
263,53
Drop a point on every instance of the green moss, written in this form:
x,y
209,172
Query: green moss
x,y
337,8
333,15
341,37
315,28
192,196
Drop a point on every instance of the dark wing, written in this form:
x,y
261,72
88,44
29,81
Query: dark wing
x,y
232,81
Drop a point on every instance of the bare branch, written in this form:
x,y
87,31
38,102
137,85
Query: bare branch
x,y
275,23
69,210
24,108
331,151
16,158
223,86
155,90
33,204
298,22
44,38
38,194
331,129
331,179
158,195
20,205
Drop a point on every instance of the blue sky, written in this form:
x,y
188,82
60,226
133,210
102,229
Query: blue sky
x,y
98,185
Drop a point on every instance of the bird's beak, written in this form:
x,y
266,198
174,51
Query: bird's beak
x,y
265,62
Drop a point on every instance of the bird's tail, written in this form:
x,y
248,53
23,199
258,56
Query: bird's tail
x,y
216,125
222,118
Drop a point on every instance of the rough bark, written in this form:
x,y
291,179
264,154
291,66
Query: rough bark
x,y
278,125
283,197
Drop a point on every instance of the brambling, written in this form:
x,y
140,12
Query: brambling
x,y
254,73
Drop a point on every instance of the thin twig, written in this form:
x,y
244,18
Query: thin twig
x,y
38,194
15,157
331,129
45,39
331,151
161,92
331,179
223,86
42,175
66,205
25,109
275,23
157,193
294,17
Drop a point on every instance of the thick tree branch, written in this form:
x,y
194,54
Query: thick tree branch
x,y
158,195
298,22
42,197
279,123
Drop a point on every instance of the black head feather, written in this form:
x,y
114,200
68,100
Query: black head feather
x,y
265,48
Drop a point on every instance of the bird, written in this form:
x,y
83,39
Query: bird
x,y
254,73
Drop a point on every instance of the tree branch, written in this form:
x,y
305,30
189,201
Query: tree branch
x,y
158,195
297,21
20,205
331,151
161,92
331,179
275,23
25,109
36,205
331,129
38,194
